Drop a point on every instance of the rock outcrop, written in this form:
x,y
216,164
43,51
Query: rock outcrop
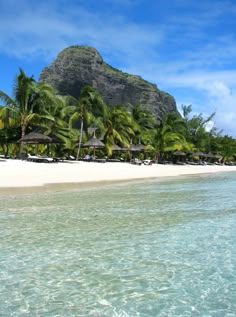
x,y
77,66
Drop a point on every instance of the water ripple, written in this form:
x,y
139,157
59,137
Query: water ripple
x,y
154,249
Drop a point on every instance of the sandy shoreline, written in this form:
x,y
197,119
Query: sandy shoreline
x,y
29,176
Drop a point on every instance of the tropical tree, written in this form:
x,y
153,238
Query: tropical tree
x,y
118,128
79,112
144,123
169,134
28,97
226,147
196,128
143,117
8,130
55,123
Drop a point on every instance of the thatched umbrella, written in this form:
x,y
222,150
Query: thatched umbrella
x,y
199,154
36,138
179,155
140,147
116,147
124,149
136,147
213,157
218,157
133,148
210,155
94,143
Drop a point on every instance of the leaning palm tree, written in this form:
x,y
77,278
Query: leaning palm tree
x,y
27,98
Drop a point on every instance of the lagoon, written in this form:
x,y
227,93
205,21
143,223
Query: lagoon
x,y
151,248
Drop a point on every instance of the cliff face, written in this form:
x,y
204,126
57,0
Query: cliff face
x,y
77,66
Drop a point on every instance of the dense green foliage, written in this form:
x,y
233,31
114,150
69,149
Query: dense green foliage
x,y
35,106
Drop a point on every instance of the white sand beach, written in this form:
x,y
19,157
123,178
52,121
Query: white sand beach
x,y
24,174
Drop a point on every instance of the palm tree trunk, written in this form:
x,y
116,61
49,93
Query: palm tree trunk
x,y
80,138
22,135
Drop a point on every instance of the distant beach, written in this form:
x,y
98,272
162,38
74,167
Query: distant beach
x,y
27,176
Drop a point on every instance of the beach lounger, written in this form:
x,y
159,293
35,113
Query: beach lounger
x,y
40,158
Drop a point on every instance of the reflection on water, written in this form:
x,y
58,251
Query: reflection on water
x,y
150,249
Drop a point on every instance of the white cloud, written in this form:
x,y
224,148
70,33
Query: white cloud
x,y
207,91
219,96
45,30
223,98
177,54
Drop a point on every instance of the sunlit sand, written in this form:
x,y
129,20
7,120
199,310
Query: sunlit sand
x,y
23,174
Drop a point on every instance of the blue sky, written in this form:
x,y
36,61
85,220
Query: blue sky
x,y
186,47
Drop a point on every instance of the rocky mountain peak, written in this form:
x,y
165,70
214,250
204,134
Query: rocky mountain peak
x,y
77,66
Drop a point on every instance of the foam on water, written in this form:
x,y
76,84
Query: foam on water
x,y
150,249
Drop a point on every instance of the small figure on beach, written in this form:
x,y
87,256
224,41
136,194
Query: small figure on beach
x,y
87,157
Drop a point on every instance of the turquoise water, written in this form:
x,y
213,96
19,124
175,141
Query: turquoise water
x,y
147,249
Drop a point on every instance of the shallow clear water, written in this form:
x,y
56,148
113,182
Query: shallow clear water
x,y
148,249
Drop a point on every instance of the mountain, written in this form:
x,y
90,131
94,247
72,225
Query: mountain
x,y
77,66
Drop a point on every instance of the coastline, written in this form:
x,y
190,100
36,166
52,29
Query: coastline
x,y
21,177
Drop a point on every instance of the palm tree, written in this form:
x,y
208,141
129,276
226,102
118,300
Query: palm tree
x,y
144,124
226,146
98,106
196,131
118,128
78,112
91,109
143,117
28,96
7,128
54,121
169,134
